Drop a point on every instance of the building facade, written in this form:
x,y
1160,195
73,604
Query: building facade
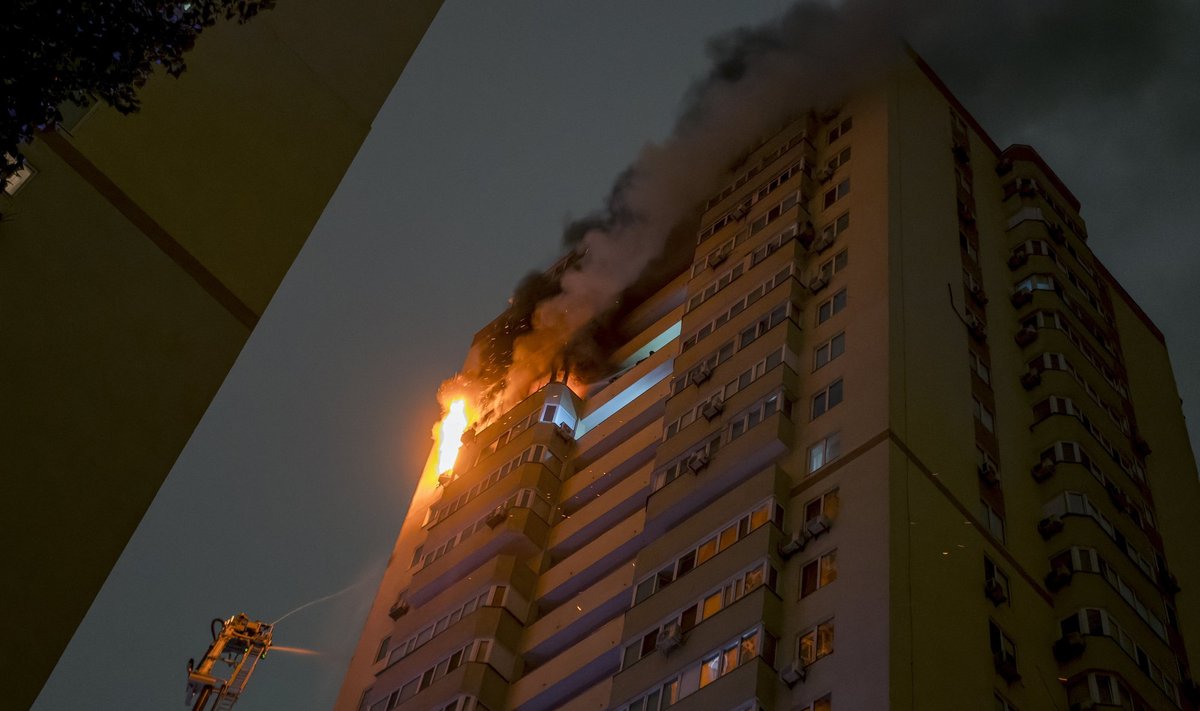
x,y
894,440
136,257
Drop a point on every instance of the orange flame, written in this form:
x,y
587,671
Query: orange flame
x,y
450,435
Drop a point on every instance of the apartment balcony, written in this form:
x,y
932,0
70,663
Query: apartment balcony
x,y
756,680
600,441
1092,590
1104,654
761,543
763,606
484,623
593,699
589,564
750,278
522,534
568,623
531,475
477,679
596,514
574,670
735,462
596,477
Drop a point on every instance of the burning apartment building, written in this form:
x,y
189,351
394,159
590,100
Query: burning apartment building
x,y
833,407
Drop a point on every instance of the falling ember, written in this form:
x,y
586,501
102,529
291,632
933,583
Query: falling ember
x,y
450,435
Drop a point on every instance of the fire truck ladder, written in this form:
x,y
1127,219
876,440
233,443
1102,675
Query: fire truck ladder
x,y
240,644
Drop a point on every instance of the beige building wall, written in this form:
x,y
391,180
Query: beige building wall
x,y
134,264
918,563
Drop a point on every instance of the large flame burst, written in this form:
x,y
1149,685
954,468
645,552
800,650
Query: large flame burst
x,y
450,435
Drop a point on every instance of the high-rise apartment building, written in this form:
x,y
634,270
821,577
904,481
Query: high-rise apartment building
x,y
894,440
136,256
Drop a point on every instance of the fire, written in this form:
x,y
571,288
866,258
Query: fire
x,y
450,435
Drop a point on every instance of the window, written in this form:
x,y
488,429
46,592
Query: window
x,y
1003,704
983,415
825,703
841,129
829,350
824,451
836,227
993,574
826,504
831,306
817,573
978,367
383,648
832,266
967,247
1002,647
992,520
827,399
840,159
837,192
776,211
816,643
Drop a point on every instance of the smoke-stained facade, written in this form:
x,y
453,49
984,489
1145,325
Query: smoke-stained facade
x,y
888,437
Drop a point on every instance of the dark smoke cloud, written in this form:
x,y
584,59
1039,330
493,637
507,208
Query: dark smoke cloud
x,y
1073,77
761,79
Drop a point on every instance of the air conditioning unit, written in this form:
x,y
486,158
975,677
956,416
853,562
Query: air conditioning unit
x,y
713,407
669,638
497,516
697,462
564,432
961,154
978,295
740,212
701,374
817,283
1026,336
994,591
976,328
793,544
987,474
1021,296
817,525
1058,578
824,175
1141,446
1006,667
966,215
1031,378
822,244
468,436
399,608
1004,166
1069,646
1050,526
1056,233
1018,259
444,479
1043,471
717,257
795,673
1027,187
806,234
1168,582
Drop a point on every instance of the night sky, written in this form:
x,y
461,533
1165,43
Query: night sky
x,y
512,119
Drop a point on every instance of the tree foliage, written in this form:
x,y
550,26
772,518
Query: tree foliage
x,y
84,51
